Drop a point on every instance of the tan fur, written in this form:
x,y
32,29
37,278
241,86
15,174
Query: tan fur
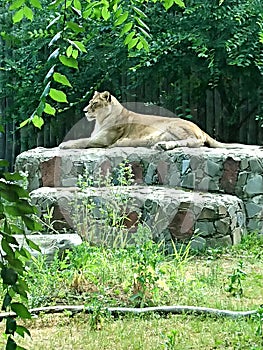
x,y
118,127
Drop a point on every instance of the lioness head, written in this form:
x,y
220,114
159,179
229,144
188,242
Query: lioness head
x,y
98,105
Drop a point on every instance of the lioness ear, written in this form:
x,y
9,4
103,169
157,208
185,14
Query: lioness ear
x,y
107,96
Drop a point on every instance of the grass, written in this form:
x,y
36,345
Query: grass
x,y
141,276
175,332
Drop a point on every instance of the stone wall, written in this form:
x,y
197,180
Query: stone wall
x,y
172,215
238,172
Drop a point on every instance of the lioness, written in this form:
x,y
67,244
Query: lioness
x,y
118,127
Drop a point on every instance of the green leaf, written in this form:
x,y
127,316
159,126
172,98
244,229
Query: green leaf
x,y
18,16
9,192
21,330
19,289
68,3
58,95
75,54
127,27
54,4
8,250
145,33
6,302
121,19
68,61
181,3
40,108
9,276
2,129
10,239
16,4
25,207
78,45
16,264
32,245
11,344
13,176
10,325
145,43
105,13
28,13
62,79
49,109
21,310
36,4
69,51
142,24
132,43
77,4
31,224
170,3
139,12
12,210
20,191
75,27
37,121
129,37
24,123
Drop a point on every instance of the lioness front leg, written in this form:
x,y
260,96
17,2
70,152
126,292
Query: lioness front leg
x,y
103,138
77,144
168,145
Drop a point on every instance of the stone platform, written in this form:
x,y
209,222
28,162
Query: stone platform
x,y
238,172
170,214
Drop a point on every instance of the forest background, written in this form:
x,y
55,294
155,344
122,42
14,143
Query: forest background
x,y
201,59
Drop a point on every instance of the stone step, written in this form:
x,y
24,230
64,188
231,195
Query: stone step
x,y
50,244
171,215
231,171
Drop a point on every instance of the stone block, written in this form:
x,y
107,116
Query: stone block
x,y
178,212
236,171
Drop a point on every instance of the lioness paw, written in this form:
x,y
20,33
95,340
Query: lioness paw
x,y
67,145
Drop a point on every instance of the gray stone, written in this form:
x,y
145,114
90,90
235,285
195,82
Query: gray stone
x,y
175,180
50,244
69,182
254,225
236,236
189,181
204,184
195,162
254,185
211,168
205,228
185,166
253,209
244,164
198,243
256,165
225,241
223,226
151,172
242,178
